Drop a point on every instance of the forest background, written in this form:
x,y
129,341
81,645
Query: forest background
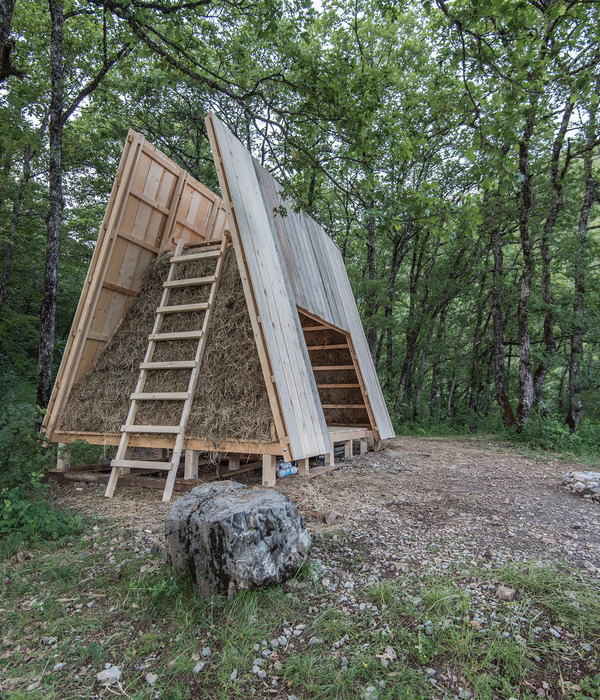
x,y
450,148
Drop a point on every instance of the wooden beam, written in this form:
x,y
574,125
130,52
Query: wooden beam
x,y
242,447
191,464
118,288
336,346
303,467
269,475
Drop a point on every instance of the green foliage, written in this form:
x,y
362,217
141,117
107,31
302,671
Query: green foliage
x,y
26,514
550,434
23,451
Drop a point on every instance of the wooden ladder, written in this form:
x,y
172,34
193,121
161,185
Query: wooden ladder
x,y
211,249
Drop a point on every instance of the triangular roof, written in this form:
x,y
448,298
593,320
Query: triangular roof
x,y
289,262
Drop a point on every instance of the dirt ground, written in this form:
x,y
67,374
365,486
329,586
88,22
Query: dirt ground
x,y
419,503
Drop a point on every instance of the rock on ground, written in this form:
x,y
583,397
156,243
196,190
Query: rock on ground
x,y
583,483
228,537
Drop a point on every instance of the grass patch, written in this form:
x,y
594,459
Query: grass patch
x,y
105,599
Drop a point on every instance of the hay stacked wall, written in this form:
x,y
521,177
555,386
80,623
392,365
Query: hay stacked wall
x,y
230,401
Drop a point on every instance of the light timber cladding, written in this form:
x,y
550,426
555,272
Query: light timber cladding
x,y
292,265
153,203
258,247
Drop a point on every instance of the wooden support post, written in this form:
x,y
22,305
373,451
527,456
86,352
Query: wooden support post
x,y
234,462
63,461
330,459
347,449
191,464
303,467
376,444
268,470
363,446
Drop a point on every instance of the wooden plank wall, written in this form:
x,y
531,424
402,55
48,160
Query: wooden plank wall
x,y
258,251
153,202
320,284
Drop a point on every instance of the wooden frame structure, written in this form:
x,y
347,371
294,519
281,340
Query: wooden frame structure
x,y
296,289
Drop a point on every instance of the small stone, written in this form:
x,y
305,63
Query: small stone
x,y
274,643
428,630
278,666
33,686
313,641
233,675
331,517
110,675
555,633
430,671
505,593
266,653
57,667
465,694
151,678
199,666
262,674
282,641
206,652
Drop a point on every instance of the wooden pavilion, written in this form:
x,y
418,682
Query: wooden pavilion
x,y
304,319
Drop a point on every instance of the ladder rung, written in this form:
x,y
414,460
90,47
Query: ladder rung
x,y
160,396
343,405
324,368
182,364
338,386
181,308
182,335
139,464
199,244
151,429
190,282
337,346
195,256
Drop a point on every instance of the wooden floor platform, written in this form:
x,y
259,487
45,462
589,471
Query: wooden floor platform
x,y
197,472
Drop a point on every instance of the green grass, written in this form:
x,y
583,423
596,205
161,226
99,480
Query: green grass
x,y
145,620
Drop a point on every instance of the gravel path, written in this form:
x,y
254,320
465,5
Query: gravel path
x,y
420,502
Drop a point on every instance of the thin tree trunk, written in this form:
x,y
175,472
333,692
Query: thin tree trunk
x,y
371,295
435,371
556,178
16,214
526,393
55,212
457,364
508,417
575,405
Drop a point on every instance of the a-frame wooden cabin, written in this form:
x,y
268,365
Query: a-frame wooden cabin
x,y
316,367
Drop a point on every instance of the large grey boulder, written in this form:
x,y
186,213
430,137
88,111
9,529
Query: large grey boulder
x,y
228,537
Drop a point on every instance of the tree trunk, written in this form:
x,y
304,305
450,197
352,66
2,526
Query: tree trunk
x,y
508,417
55,211
16,214
14,224
6,43
525,373
575,405
371,306
556,179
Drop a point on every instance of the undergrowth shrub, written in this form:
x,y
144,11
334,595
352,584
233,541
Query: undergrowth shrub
x,y
551,434
26,513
